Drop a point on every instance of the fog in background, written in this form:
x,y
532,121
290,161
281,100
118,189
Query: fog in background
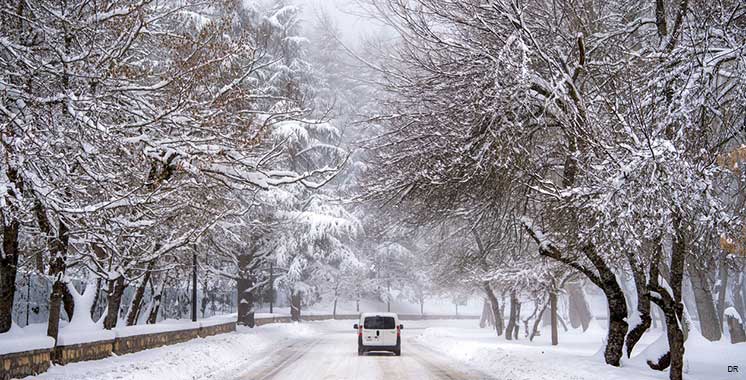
x,y
350,16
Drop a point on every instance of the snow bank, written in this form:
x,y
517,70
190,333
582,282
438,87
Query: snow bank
x,y
18,340
167,325
81,330
576,357
69,337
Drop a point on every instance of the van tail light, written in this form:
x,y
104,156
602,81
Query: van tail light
x,y
360,331
398,331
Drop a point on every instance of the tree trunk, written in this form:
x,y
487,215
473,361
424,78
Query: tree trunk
x,y
95,298
245,291
512,324
483,320
157,296
722,290
738,296
579,311
134,311
537,321
517,327
708,320
495,308
673,308
68,303
8,272
58,247
737,333
643,305
606,280
205,298
617,304
114,302
334,311
553,315
295,306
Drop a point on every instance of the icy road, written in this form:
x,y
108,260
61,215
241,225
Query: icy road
x,y
332,354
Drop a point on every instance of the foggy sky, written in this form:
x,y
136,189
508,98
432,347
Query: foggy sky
x,y
347,15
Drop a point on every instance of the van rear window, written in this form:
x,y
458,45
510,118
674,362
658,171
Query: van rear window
x,y
379,323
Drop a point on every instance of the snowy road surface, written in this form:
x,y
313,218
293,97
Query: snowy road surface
x,y
332,354
430,350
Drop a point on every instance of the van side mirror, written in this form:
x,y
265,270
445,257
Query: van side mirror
x,y
401,327
356,326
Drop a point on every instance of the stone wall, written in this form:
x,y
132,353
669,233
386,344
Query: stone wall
x,y
82,352
22,364
206,331
135,343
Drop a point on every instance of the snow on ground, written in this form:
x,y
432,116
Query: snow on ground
x,y
34,336
18,340
327,349
214,357
578,355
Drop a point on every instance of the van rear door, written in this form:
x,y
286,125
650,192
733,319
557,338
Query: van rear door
x,y
379,331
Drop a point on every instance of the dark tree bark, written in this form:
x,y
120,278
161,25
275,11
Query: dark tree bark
x,y
510,331
553,315
68,303
8,272
114,302
95,298
58,250
245,291
495,306
295,306
134,311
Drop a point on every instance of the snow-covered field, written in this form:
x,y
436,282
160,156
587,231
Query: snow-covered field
x,y
430,349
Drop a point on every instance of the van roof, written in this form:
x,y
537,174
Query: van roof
x,y
380,314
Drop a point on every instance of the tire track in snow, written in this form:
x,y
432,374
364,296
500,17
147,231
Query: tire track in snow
x,y
443,367
278,360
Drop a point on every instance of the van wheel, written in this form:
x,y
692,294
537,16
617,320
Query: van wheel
x,y
360,352
397,352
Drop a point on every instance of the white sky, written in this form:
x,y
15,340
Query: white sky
x,y
347,14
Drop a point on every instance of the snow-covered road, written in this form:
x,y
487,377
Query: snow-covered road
x,y
430,350
332,354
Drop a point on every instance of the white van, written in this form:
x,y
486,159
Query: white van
x,y
378,332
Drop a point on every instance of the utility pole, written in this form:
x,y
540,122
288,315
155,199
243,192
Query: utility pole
x,y
194,286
